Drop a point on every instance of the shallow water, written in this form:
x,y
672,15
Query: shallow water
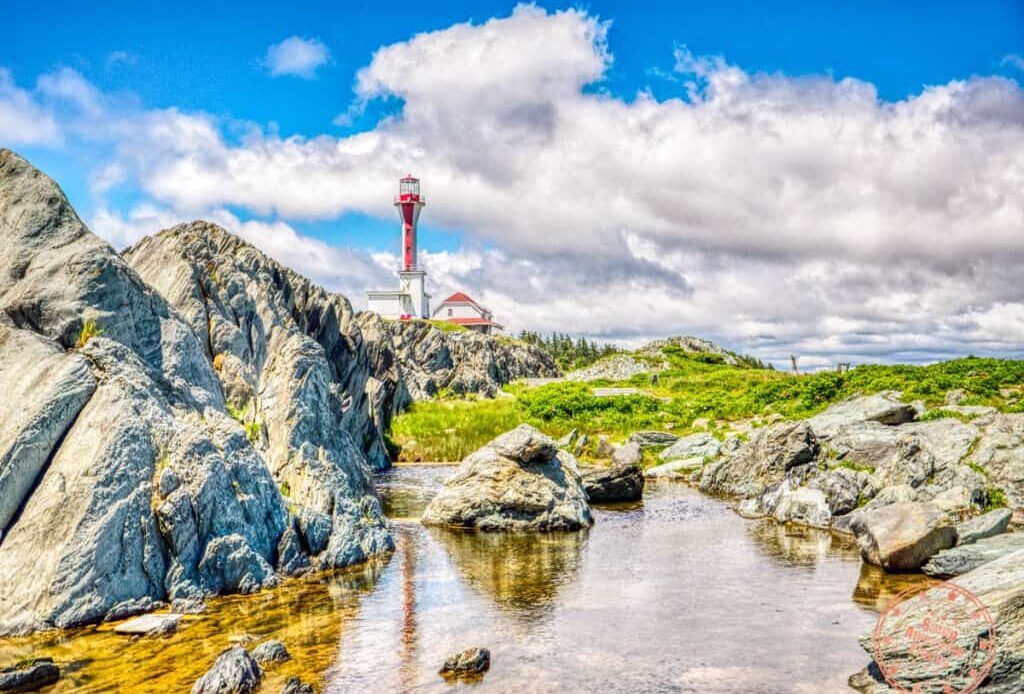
x,y
677,594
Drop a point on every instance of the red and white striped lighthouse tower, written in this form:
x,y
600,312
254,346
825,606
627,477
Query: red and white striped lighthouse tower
x,y
411,300
408,202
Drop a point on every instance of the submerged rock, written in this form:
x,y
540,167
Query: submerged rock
x,y
963,558
472,661
987,525
272,651
518,481
29,677
234,672
902,536
613,484
295,686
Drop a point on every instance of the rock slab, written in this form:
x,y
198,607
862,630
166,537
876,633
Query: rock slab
x,y
40,673
614,484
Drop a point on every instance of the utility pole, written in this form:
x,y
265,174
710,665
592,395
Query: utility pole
x,y
792,358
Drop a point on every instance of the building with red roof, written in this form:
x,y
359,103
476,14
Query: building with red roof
x,y
461,309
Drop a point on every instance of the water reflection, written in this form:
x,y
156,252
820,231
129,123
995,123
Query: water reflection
x,y
307,615
794,545
523,571
876,589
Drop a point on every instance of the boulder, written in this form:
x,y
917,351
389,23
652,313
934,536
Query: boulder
x,y
652,439
604,448
787,449
999,586
884,408
963,558
987,525
30,676
614,484
702,444
518,481
786,504
628,454
234,672
902,536
1000,452
295,686
472,661
272,651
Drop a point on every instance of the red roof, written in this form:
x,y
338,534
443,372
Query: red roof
x,y
458,296
472,321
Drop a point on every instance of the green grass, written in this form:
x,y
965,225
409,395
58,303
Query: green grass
x,y
996,499
446,327
89,330
695,386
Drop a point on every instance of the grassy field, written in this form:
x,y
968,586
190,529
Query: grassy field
x,y
694,388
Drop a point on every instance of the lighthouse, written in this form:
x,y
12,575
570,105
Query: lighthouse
x,y
411,300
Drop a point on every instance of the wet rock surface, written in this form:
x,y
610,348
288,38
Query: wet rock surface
x,y
29,677
272,651
234,672
518,481
613,484
472,661
903,536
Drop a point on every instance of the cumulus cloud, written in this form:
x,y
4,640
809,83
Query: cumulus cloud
x,y
780,214
24,121
296,56
1013,60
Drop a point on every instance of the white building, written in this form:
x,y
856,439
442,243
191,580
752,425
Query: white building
x,y
462,310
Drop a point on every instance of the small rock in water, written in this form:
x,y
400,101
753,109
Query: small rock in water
x,y
612,484
234,672
30,676
472,661
188,606
271,652
149,625
295,686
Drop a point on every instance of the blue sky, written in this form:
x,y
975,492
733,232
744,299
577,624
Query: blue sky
x,y
209,60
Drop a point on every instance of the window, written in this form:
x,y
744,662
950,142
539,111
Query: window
x,y
450,312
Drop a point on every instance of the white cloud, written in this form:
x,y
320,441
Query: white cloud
x,y
781,215
23,120
296,56
1014,60
118,59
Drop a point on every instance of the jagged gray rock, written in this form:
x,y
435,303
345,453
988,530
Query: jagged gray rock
x,y
652,439
428,360
472,661
32,676
628,454
234,672
884,408
999,585
701,444
771,454
987,525
963,558
518,481
272,651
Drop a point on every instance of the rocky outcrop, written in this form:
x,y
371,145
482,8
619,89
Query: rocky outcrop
x,y
963,558
618,367
518,481
884,408
999,586
903,536
123,478
785,450
690,345
234,672
427,360
614,484
293,369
